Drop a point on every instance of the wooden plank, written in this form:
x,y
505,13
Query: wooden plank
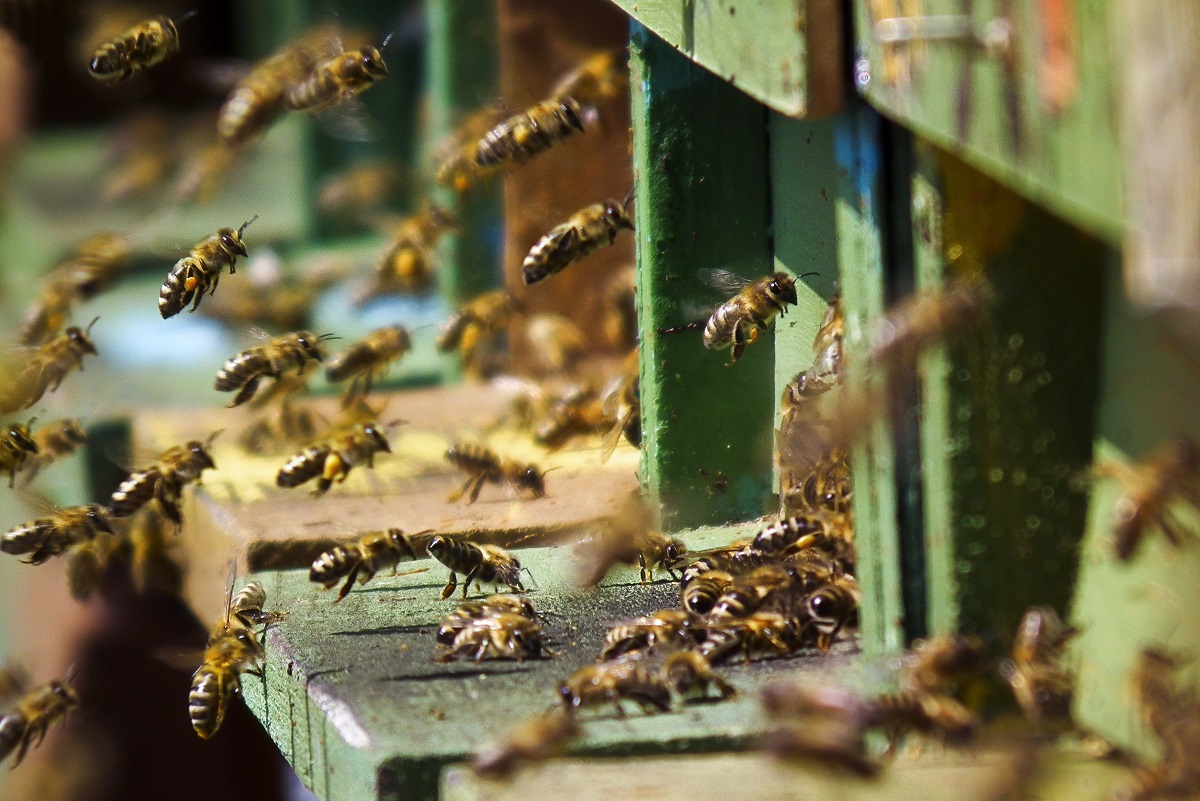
x,y
1008,428
1058,146
786,55
699,147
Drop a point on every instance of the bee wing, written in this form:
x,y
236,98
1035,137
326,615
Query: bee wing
x,y
38,503
729,283
14,682
349,121
185,660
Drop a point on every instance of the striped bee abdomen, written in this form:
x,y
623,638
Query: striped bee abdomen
x,y
206,701
331,566
304,466
523,136
134,492
27,537
175,295
240,369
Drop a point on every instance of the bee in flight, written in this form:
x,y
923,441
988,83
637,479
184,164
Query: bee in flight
x,y
93,265
200,271
483,465
16,446
362,559
407,265
365,361
46,368
359,190
536,739
25,724
143,46
337,80
1169,473
587,230
332,459
57,533
473,328
481,564
163,481
525,135
233,648
299,351
600,77
738,321
455,156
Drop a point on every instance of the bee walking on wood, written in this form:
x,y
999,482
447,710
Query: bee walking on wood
x,y
1168,473
163,481
16,446
143,46
25,725
55,534
53,441
504,635
481,564
337,80
233,649
691,677
299,351
367,360
587,230
612,683
200,271
362,559
628,537
46,368
332,459
483,465
672,627
524,135
469,611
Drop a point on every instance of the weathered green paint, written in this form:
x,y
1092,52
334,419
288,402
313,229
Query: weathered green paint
x,y
786,55
703,201
354,699
1148,391
462,65
1015,433
1066,160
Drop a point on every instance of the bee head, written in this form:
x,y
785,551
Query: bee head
x,y
673,552
828,605
80,338
198,450
231,241
400,542
98,517
372,63
376,436
446,635
617,215
19,435
438,546
783,287
63,692
533,480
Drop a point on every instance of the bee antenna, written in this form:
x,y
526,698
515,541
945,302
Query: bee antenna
x,y
213,436
531,578
396,422
327,337
246,225
32,420
72,673
805,275
185,16
88,330
552,469
628,199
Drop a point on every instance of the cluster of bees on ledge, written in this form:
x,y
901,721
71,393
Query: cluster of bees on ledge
x,y
788,590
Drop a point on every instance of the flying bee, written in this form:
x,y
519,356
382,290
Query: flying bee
x,y
555,344
628,537
536,739
691,677
26,724
498,636
86,562
933,715
366,360
920,321
942,664
407,264
482,465
361,559
163,480
336,80
95,264
49,311
825,743
568,420
612,683
53,535
623,403
476,325
358,190
469,611
46,368
455,156
1041,684
666,626
537,129
737,322
701,594
1169,472
481,564
143,46
15,448
205,171
54,441
600,77
332,459
298,351
831,608
200,270
585,232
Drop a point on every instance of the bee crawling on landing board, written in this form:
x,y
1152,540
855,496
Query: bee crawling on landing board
x,y
200,271
362,559
143,46
481,564
502,635
469,611
233,648
587,230
483,465
164,480
332,459
614,682
299,351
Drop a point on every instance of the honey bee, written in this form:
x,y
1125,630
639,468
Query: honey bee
x,y
336,80
470,330
233,648
53,441
367,360
469,611
359,189
666,626
298,351
143,46
536,739
1169,472
700,594
600,77
53,535
332,459
628,538
826,370
95,264
205,171
525,135
26,724
407,264
612,683
831,608
757,635
918,322
150,558
737,322
825,489
623,403
480,564
569,418
941,664
587,230
790,533
827,743
200,270
691,677
163,480
292,424
619,322
759,588
483,465
1172,714
1042,686
15,448
498,636
361,559
932,715
49,311
555,343
86,562
455,156
46,368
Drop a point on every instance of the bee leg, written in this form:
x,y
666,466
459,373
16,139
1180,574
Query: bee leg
x,y
476,486
1172,529
612,697
642,563
458,493
467,581
345,590
246,392
481,651
451,585
216,280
